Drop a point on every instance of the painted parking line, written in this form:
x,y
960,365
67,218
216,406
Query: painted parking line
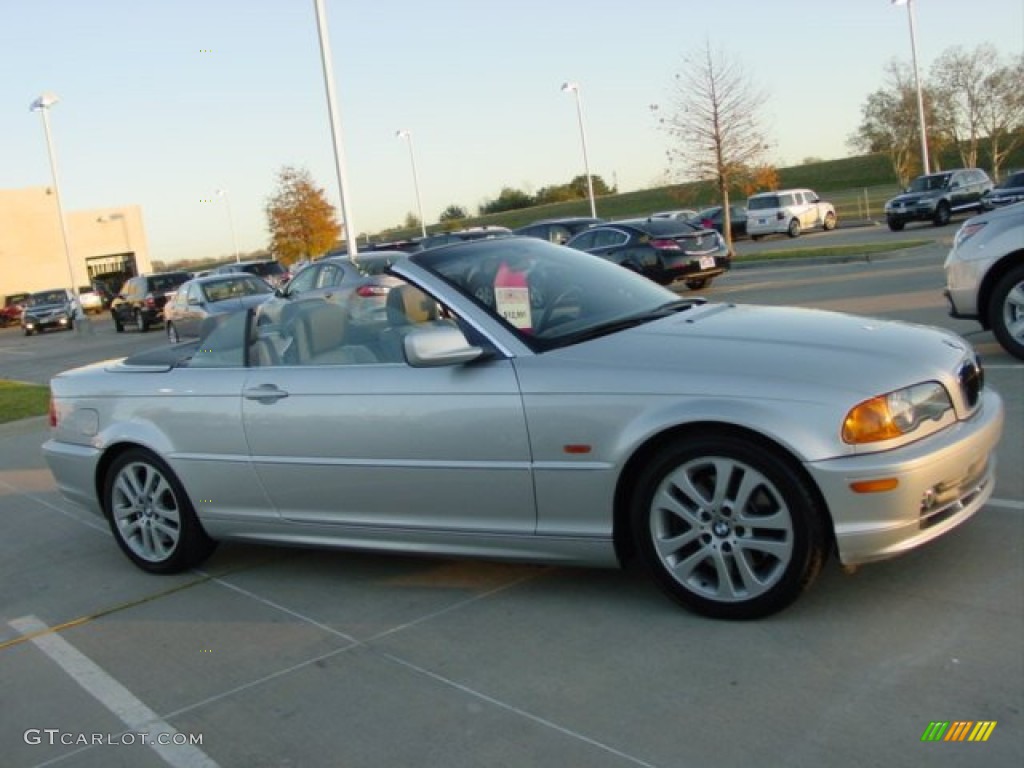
x,y
1005,504
138,718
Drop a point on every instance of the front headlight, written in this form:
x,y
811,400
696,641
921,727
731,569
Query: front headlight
x,y
896,414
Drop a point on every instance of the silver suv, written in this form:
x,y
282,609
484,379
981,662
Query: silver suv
x,y
938,196
985,275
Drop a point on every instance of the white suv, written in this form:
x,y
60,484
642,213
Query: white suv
x,y
985,275
789,212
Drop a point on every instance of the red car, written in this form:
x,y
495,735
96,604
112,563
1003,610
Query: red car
x,y
10,313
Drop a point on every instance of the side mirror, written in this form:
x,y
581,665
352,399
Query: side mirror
x,y
437,345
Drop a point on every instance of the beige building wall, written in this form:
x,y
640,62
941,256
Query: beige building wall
x,y
32,256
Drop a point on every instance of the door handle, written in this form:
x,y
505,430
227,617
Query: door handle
x,y
264,393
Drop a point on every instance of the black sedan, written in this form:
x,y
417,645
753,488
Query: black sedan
x,y
664,250
1007,192
211,296
712,217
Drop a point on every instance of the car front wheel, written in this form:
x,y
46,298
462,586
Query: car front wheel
x,y
830,222
1006,313
896,225
150,515
727,528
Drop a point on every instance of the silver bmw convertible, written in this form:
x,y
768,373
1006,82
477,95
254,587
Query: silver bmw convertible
x,y
522,400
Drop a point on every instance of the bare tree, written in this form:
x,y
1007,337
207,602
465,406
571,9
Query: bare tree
x,y
958,78
714,120
890,123
1002,111
302,224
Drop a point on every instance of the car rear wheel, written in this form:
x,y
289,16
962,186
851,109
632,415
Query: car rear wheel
x,y
150,515
941,217
1006,312
118,325
697,283
172,334
794,228
727,528
830,222
140,322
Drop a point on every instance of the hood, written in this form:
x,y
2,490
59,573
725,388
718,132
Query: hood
x,y
913,197
786,353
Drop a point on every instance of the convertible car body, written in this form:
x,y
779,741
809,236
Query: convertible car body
x,y
529,401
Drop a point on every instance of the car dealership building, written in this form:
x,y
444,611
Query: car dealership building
x,y
105,243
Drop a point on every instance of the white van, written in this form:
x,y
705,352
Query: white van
x,y
789,211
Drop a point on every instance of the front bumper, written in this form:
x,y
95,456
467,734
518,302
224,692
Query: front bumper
x,y
942,480
45,323
922,211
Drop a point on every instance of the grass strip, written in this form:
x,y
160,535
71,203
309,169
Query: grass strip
x,y
864,249
19,401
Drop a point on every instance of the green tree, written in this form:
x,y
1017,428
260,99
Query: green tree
x,y
302,224
508,200
453,213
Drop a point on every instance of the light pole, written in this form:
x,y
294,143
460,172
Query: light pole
x,y
42,106
917,82
351,233
575,88
223,193
404,134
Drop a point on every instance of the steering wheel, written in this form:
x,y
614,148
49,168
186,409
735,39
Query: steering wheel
x,y
573,292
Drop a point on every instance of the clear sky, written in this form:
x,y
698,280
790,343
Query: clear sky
x,y
165,101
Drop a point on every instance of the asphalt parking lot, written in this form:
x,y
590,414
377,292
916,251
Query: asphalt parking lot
x,y
276,657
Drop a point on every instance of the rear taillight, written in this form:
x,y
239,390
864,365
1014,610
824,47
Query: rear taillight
x,y
53,413
368,291
665,245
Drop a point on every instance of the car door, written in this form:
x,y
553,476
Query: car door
x,y
386,445
191,315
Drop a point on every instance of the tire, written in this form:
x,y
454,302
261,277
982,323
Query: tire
x,y
830,222
756,237
118,325
151,516
28,332
172,334
697,283
140,321
793,230
941,217
896,225
727,528
1006,311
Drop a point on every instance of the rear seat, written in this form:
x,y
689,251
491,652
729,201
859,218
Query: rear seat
x,y
319,337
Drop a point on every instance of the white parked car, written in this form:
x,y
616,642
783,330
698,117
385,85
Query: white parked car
x,y
789,212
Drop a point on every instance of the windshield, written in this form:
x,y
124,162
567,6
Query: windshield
x,y
46,297
266,269
549,295
929,183
167,283
1012,182
763,202
235,287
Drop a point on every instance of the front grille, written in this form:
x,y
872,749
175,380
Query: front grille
x,y
972,379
